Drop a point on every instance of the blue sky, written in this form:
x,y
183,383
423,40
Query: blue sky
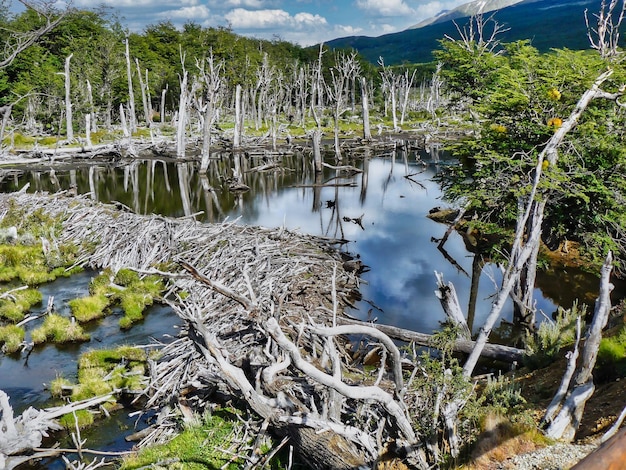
x,y
304,22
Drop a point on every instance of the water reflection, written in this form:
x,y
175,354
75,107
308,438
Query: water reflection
x,y
381,209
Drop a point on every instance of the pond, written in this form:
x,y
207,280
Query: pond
x,y
381,210
391,196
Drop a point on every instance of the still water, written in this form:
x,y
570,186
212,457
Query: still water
x,y
381,210
391,195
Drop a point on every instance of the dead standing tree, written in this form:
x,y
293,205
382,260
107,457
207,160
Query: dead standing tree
x,y
390,91
211,78
317,89
346,67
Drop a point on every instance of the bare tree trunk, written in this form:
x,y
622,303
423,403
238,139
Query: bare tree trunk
x,y
162,110
182,117
92,111
367,132
567,421
131,95
6,114
238,118
147,114
317,152
68,101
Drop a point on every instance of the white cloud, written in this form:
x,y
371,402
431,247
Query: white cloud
x,y
240,3
190,13
347,30
134,3
266,19
385,7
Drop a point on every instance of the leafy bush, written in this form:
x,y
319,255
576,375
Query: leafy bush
x,y
543,345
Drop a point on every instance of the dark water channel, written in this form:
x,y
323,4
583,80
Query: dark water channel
x,y
393,194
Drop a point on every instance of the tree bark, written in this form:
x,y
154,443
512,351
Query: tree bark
x,y
68,101
132,116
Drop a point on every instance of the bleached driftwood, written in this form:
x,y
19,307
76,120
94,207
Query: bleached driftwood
x,y
21,435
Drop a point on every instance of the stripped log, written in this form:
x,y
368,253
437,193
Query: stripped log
x,y
491,351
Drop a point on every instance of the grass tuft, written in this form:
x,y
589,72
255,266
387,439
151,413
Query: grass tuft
x,y
58,329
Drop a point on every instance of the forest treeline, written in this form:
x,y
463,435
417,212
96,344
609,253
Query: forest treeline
x,y
95,39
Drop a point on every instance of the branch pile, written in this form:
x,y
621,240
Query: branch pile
x,y
261,309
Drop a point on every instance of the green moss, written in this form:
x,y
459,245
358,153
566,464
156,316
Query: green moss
x,y
126,277
11,338
103,371
89,308
197,447
58,329
82,418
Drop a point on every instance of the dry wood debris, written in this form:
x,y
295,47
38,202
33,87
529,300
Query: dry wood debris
x,y
261,308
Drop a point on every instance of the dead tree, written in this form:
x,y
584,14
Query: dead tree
x,y
604,37
132,115
345,67
572,404
16,42
390,90
367,131
480,34
406,84
211,77
69,128
317,87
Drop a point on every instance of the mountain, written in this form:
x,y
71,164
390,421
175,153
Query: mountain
x,y
546,23
465,10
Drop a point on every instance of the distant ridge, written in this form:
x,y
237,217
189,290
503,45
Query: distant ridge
x,y
465,10
546,23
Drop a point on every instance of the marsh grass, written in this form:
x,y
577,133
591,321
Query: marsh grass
x,y
14,308
58,329
200,446
11,338
136,295
83,418
89,308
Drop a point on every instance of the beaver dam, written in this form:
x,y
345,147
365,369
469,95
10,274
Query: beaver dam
x,y
265,329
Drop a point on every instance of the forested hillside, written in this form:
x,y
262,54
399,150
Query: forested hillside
x,y
547,24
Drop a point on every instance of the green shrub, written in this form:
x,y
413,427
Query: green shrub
x,y
546,342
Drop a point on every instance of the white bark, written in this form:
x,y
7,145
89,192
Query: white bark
x,y
367,132
132,116
68,101
394,408
238,118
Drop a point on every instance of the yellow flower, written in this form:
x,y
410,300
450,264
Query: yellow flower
x,y
555,122
554,94
499,128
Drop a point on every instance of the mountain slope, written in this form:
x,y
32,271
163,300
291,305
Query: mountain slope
x,y
465,10
546,23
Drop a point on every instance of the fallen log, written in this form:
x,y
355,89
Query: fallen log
x,y
491,351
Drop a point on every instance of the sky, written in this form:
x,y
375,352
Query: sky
x,y
304,22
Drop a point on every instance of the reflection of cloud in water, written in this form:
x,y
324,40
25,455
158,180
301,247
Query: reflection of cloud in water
x,y
396,243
